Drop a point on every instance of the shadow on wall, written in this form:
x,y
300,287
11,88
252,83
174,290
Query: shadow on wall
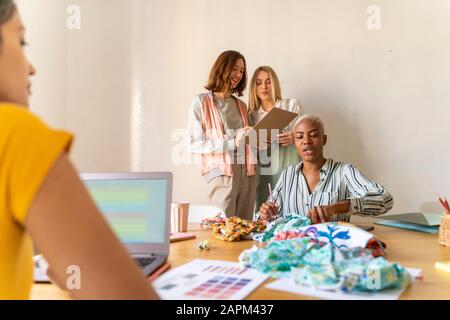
x,y
344,137
431,207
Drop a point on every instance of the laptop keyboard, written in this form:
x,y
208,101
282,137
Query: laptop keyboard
x,y
143,262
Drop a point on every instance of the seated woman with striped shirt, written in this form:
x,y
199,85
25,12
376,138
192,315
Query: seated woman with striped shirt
x,y
322,189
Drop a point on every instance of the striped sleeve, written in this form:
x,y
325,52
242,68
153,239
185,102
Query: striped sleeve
x,y
366,196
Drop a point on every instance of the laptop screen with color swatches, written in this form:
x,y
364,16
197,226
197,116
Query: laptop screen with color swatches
x,y
134,208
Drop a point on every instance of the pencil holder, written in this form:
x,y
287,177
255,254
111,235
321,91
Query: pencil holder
x,y
444,231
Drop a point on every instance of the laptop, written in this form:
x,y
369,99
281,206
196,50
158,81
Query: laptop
x,y
137,207
418,221
425,219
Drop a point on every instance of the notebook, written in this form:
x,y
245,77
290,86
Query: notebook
x,y
416,221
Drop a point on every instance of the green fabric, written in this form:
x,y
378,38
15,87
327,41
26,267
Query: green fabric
x,y
287,223
324,267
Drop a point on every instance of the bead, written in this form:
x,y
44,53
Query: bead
x,y
204,245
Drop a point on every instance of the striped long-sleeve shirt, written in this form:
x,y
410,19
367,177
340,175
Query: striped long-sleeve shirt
x,y
338,182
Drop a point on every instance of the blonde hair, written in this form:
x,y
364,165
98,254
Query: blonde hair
x,y
275,88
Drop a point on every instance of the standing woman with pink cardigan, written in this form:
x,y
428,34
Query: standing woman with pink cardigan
x,y
218,123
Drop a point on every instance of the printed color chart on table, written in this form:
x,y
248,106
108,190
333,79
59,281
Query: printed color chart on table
x,y
224,270
209,279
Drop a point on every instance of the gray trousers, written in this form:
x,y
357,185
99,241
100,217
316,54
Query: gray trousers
x,y
235,195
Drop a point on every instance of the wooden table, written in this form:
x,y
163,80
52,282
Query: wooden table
x,y
409,248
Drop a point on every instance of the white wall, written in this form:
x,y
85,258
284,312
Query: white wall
x,y
83,80
124,82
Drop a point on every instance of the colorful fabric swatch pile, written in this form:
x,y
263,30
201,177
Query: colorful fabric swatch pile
x,y
208,223
289,223
235,229
339,234
329,256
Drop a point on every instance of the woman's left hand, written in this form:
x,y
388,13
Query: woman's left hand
x,y
286,138
321,214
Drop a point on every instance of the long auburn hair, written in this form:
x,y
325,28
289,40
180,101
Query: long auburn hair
x,y
219,76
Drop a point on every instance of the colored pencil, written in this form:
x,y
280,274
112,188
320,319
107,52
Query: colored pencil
x,y
444,204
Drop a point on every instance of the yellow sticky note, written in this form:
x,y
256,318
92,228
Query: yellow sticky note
x,y
443,266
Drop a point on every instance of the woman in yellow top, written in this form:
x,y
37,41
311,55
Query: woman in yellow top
x,y
42,198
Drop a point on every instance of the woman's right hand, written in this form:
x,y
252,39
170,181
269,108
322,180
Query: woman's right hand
x,y
241,134
286,139
268,211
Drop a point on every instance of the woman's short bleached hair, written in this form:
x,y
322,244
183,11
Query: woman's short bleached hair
x,y
311,118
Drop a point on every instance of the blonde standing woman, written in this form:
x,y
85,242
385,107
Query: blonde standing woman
x,y
264,95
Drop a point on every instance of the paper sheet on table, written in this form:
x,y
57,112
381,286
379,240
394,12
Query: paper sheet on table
x,y
208,280
288,284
